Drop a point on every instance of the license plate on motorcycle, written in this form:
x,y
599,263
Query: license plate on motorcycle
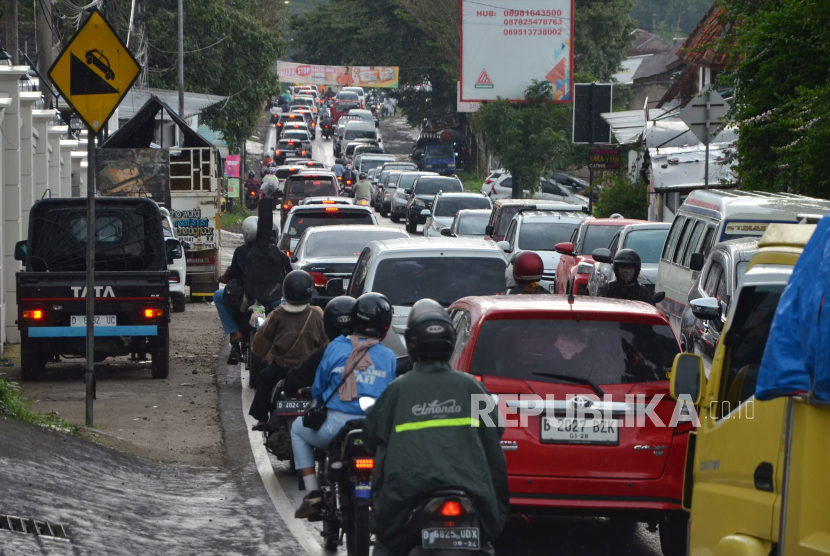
x,y
292,407
449,538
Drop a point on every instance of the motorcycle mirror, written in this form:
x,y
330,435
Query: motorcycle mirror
x,y
366,403
658,297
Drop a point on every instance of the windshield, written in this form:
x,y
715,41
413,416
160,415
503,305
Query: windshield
x,y
360,134
543,236
442,278
308,187
308,219
327,245
367,164
449,206
431,186
647,243
347,95
606,352
439,151
472,224
299,135
596,237
737,230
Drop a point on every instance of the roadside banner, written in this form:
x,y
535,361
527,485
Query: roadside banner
x,y
233,188
232,166
505,44
604,159
342,76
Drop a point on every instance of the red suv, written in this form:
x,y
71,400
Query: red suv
x,y
576,262
543,358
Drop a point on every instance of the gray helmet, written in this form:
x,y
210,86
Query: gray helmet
x,y
249,229
627,257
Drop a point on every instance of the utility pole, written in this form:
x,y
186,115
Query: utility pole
x,y
181,65
706,141
11,31
591,144
44,38
90,275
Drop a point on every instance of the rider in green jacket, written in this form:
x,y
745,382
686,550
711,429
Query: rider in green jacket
x,y
426,435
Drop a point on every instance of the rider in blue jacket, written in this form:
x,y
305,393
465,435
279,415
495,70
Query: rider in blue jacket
x,y
352,366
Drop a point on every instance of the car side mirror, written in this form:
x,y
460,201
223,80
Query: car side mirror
x,y
658,297
334,287
489,229
696,262
174,250
706,308
187,245
446,232
294,258
602,255
20,251
426,213
408,191
564,248
504,246
687,377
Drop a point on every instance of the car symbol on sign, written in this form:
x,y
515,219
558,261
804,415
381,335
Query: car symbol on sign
x,y
96,57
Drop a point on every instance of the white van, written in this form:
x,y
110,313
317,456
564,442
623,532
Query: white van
x,y
710,216
360,94
358,129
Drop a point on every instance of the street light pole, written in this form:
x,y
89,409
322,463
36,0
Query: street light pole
x,y
181,64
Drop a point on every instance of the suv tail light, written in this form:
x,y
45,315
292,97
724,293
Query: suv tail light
x,y
319,278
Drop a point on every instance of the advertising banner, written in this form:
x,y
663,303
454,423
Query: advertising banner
x,y
232,166
342,76
233,188
604,159
507,43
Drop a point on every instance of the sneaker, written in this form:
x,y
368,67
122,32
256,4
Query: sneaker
x,y
234,355
310,506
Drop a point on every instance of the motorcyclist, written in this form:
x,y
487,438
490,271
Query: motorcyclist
x,y
625,285
271,178
527,271
252,184
290,334
411,443
325,120
352,366
348,175
338,168
363,188
337,321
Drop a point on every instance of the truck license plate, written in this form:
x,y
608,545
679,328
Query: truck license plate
x,y
459,538
100,320
580,431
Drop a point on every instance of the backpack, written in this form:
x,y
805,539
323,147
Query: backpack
x,y
263,274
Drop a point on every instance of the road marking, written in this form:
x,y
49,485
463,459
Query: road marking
x,y
266,471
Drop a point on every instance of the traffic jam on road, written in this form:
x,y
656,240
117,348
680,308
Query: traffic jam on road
x,y
401,355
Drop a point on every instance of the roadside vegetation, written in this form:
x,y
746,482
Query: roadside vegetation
x,y
621,194
12,404
471,180
232,219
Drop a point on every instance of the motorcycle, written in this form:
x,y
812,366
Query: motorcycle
x,y
251,199
445,519
347,185
287,408
362,201
325,130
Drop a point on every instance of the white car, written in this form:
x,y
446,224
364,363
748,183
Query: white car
x,y
178,268
446,205
548,189
487,186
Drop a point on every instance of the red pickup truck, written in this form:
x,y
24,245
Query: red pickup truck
x,y
342,107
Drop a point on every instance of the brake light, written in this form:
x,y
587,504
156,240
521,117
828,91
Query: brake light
x,y
332,209
313,124
364,463
150,313
277,152
348,182
37,314
319,278
328,202
339,178
287,205
316,183
451,509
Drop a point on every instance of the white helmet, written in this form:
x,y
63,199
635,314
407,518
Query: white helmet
x,y
249,229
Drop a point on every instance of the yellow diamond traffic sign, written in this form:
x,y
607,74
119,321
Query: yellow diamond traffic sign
x,y
94,71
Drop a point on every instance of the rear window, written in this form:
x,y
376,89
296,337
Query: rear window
x,y
506,216
647,243
360,134
440,151
302,102
367,164
444,279
473,224
298,135
326,217
431,186
346,245
347,95
543,236
448,206
606,352
597,237
302,186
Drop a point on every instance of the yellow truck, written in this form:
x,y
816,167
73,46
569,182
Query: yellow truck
x,y
757,476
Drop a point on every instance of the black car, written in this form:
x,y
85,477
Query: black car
x,y
421,195
289,148
384,191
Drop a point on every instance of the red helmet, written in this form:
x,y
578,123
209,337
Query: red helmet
x,y
528,267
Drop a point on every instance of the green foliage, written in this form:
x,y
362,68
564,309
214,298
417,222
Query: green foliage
x,y
622,195
602,36
238,65
13,405
669,18
471,181
780,72
529,139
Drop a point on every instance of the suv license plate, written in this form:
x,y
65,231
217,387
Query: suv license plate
x,y
459,538
580,431
292,407
100,320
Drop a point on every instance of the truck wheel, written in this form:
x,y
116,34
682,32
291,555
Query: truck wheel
x,y
178,303
161,356
673,530
31,364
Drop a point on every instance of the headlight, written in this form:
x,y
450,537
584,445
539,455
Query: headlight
x,y
418,203
584,268
429,166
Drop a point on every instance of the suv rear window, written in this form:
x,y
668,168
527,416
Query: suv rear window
x,y
326,217
543,236
360,134
597,237
445,279
606,352
431,186
449,206
309,186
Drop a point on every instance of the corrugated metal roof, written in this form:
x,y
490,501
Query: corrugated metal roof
x,y
697,48
677,168
628,126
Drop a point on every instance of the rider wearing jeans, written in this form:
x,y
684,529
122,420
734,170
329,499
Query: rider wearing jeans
x,y
368,368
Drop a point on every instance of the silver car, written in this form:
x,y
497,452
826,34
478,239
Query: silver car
x,y
446,205
646,239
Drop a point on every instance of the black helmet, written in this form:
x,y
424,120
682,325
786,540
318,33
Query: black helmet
x,y
298,287
251,174
337,318
372,315
429,332
627,257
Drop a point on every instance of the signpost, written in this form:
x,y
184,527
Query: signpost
x,y
704,116
591,100
604,159
93,73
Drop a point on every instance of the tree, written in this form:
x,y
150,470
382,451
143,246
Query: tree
x,y
669,18
623,195
530,139
602,36
781,78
